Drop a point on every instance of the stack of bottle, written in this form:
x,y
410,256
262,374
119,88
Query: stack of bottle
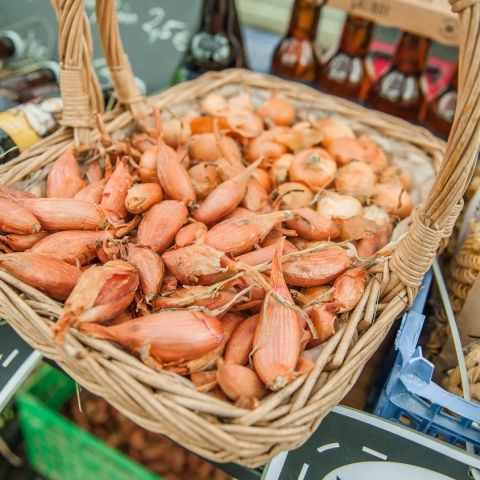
x,y
401,89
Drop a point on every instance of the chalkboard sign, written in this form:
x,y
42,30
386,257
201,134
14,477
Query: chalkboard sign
x,y
155,33
353,445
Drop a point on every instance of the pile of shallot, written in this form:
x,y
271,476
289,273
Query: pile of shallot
x,y
221,245
154,451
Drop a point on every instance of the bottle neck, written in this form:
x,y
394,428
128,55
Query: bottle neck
x,y
411,54
304,20
216,16
356,36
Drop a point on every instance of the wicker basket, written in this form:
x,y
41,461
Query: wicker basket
x,y
167,403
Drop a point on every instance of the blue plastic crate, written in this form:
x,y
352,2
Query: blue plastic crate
x,y
411,397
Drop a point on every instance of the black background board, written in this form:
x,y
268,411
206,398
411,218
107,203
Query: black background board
x,y
17,359
155,33
349,441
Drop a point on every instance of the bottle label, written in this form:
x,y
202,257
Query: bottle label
x,y
343,68
211,48
446,106
395,87
15,124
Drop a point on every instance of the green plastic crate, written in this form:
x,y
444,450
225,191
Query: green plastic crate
x,y
56,447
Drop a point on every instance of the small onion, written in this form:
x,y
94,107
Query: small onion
x,y
242,101
345,150
294,195
376,214
148,166
278,110
394,198
356,179
264,146
314,167
332,129
176,132
204,148
393,174
245,123
374,155
334,205
205,177
279,169
214,104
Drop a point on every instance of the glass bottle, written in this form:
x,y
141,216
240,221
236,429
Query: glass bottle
x,y
441,111
399,91
26,84
295,57
343,73
218,43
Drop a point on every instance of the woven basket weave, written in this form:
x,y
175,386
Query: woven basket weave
x,y
167,403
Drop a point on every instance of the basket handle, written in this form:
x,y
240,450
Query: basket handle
x,y
434,220
79,86
126,89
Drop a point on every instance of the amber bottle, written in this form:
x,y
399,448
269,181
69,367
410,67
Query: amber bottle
x,y
295,57
343,73
441,111
399,91
217,45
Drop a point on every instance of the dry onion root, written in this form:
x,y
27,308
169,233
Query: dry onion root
x,y
211,246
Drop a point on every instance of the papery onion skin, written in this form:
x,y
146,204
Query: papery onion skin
x,y
334,205
314,167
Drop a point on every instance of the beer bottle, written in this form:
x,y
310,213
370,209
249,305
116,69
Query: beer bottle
x,y
26,84
441,111
217,45
343,73
11,46
398,91
24,125
295,57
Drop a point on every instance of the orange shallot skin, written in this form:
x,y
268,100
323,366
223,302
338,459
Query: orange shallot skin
x,y
190,233
72,246
19,243
150,269
92,192
310,225
239,234
53,277
224,198
240,344
115,191
64,179
192,263
101,293
168,336
278,333
65,213
161,223
15,218
172,174
319,268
